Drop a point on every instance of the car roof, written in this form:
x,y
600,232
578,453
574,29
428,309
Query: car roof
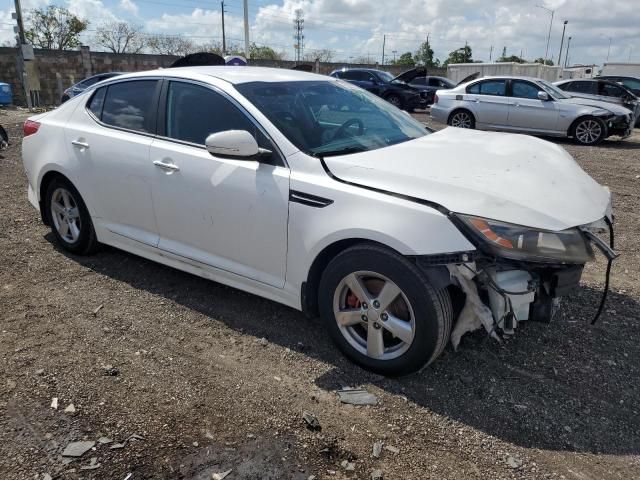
x,y
231,74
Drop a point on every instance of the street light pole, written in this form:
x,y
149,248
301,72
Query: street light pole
x,y
552,12
566,56
562,41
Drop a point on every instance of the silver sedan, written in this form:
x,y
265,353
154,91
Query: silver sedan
x,y
529,105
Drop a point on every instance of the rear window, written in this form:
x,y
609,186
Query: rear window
x,y
131,105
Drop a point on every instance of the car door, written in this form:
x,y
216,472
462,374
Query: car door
x,y
527,112
109,136
224,213
488,101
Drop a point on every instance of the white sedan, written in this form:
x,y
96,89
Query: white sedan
x,y
317,194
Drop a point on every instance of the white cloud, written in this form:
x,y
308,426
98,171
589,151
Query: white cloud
x,y
128,6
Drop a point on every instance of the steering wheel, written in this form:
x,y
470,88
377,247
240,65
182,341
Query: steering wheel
x,y
342,130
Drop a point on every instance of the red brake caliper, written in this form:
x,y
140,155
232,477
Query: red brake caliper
x,y
352,300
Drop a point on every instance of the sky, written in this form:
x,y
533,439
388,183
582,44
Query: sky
x,y
357,28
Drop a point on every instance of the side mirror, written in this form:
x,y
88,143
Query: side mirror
x,y
233,144
544,96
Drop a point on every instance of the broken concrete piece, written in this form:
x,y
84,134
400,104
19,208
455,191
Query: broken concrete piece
x,y
514,462
377,449
93,464
220,476
70,408
311,421
117,446
377,475
348,466
77,449
391,449
357,396
104,440
54,403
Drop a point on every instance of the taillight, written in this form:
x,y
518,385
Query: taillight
x,y
30,127
435,98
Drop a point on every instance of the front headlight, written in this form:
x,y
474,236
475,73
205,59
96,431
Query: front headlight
x,y
523,243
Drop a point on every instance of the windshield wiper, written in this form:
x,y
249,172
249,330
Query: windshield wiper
x,y
341,151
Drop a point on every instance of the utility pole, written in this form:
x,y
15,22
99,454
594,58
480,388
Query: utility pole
x,y
21,44
247,52
490,52
394,55
224,40
552,12
609,51
298,28
562,41
384,41
566,55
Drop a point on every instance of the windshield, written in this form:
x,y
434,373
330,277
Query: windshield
x,y
384,76
325,118
552,90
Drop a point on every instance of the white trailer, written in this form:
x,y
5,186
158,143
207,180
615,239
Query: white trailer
x,y
625,69
459,71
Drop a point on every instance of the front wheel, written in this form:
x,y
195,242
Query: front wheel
x,y
394,100
382,312
589,131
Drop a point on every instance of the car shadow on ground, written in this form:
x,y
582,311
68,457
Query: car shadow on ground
x,y
566,386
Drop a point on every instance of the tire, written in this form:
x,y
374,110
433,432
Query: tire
x,y
462,119
420,314
589,131
395,100
62,202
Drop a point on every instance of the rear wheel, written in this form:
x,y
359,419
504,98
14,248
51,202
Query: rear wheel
x,y
589,131
462,119
69,218
382,312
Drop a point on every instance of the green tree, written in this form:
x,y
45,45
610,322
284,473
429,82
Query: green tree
x,y
461,55
424,55
511,58
541,60
264,52
405,59
55,28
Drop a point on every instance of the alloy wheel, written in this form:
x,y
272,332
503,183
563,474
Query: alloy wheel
x,y
374,315
65,215
588,131
461,120
394,100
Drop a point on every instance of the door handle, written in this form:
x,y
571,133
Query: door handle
x,y
79,144
166,166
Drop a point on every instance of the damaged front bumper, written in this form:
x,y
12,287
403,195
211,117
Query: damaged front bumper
x,y
500,292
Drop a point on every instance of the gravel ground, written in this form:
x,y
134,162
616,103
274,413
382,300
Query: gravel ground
x,y
212,379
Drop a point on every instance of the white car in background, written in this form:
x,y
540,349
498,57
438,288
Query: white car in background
x,y
319,195
530,105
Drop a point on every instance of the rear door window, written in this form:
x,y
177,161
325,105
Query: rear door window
x,y
609,90
583,87
489,87
97,101
131,105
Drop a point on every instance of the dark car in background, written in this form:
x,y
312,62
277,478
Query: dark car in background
x,y
82,85
431,85
632,83
603,90
395,90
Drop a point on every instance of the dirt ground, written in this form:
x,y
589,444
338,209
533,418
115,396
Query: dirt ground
x,y
210,378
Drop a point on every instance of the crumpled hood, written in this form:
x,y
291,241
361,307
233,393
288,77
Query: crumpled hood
x,y
512,178
593,102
